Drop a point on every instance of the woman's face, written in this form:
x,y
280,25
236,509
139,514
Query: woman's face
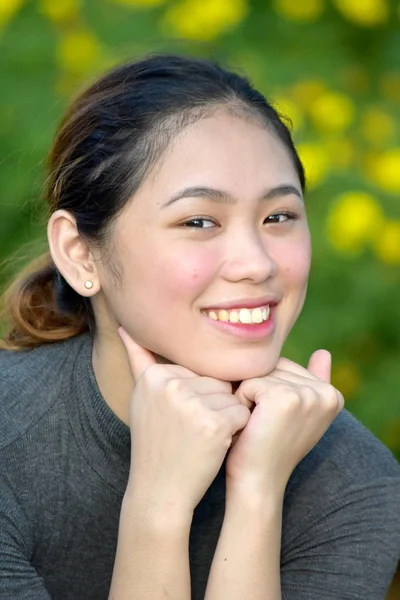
x,y
218,229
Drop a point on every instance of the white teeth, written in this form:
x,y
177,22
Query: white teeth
x,y
257,315
245,315
223,315
242,315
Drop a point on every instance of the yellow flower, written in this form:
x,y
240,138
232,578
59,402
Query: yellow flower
x,y
204,20
315,161
287,108
78,51
355,219
346,378
386,170
387,244
138,3
8,8
390,85
7,118
341,152
364,12
307,91
300,10
332,111
391,436
354,78
61,11
377,126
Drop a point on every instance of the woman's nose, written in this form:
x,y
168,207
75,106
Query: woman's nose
x,y
248,257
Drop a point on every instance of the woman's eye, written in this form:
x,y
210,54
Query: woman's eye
x,y
199,223
281,217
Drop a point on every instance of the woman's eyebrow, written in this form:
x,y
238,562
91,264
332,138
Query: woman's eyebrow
x,y
225,198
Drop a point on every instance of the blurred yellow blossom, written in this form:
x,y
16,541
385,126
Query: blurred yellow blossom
x,y
204,20
79,50
7,119
307,91
138,3
341,152
355,78
391,436
332,111
61,11
346,378
300,10
315,161
287,108
377,126
385,170
390,85
364,12
387,244
355,219
8,8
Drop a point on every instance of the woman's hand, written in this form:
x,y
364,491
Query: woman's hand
x,y
293,408
181,429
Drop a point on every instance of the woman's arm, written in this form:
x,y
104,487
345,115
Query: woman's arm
x,y
247,559
181,428
293,409
347,545
152,559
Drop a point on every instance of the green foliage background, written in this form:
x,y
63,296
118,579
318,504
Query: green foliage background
x,y
331,65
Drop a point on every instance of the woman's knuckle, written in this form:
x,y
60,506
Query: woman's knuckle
x,y
173,386
332,398
212,425
310,397
291,398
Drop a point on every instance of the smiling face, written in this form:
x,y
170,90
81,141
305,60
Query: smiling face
x,y
239,237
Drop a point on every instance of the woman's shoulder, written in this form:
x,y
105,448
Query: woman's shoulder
x,y
348,455
356,451
30,381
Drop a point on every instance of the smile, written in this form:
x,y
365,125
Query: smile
x,y
246,316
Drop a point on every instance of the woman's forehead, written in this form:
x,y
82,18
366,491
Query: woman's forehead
x,y
223,149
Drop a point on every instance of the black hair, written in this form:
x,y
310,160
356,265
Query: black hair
x,y
109,139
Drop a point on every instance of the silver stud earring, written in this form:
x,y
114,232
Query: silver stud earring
x,y
88,284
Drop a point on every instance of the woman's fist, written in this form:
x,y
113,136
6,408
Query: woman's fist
x,y
181,429
293,408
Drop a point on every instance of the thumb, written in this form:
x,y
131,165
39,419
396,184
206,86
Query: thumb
x,y
319,365
139,358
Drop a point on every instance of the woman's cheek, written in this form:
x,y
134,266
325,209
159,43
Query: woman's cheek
x,y
294,263
187,273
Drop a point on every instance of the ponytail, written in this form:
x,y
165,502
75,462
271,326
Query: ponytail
x,y
40,307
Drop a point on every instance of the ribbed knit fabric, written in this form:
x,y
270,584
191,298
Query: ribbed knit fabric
x,y
64,465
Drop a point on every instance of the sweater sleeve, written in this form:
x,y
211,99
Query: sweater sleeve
x,y
18,578
350,550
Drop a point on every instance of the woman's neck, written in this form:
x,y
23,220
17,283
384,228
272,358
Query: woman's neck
x,y
112,372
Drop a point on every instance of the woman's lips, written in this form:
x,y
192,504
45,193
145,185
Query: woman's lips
x,y
246,331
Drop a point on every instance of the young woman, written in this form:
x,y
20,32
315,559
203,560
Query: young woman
x,y
153,442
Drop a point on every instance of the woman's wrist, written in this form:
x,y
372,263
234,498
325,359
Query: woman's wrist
x,y
249,495
156,513
246,562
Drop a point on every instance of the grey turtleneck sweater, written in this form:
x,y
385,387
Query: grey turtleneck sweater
x,y
64,464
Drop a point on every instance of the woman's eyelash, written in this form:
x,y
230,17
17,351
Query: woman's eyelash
x,y
289,216
189,223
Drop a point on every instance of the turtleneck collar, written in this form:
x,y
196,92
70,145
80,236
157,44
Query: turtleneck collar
x,y
102,437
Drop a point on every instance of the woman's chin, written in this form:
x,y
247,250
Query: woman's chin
x,y
236,375
229,371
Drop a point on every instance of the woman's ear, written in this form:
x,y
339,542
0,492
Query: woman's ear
x,y
71,254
